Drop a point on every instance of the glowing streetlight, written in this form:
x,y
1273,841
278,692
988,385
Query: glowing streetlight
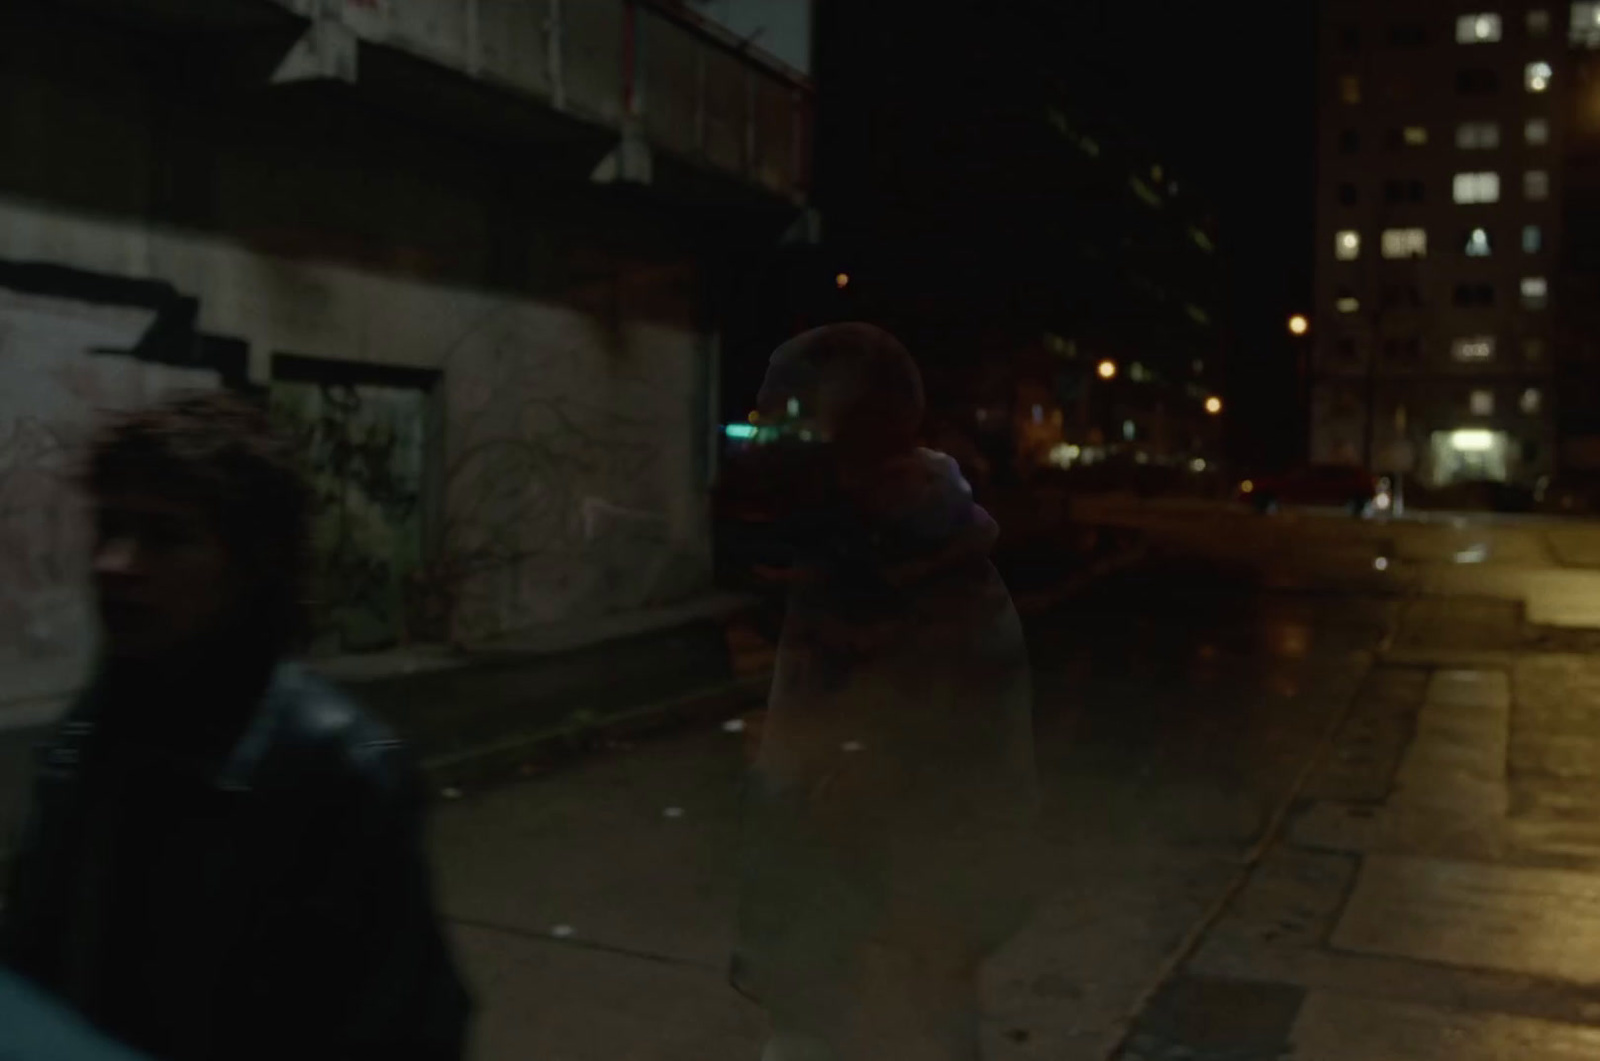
x,y
1107,369
1214,405
841,281
1298,324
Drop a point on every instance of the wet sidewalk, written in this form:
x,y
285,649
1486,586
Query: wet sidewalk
x,y
1435,891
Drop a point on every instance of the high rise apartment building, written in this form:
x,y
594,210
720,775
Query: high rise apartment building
x,y
1441,349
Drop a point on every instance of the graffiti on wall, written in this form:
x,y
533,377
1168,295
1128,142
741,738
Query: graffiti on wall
x,y
567,451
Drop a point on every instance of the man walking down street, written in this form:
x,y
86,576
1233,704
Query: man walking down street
x,y
223,860
889,841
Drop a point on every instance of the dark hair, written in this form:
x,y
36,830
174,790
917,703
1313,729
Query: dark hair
x,y
872,382
221,452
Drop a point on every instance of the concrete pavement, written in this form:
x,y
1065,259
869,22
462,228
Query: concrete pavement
x,y
1436,892
593,905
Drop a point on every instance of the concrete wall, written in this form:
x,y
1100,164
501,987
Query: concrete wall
x,y
55,389
571,485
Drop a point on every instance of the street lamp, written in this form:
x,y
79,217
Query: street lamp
x,y
841,281
1298,324
1107,369
1214,405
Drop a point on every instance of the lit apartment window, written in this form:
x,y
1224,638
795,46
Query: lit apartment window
x,y
1539,23
1538,131
1531,401
1481,403
1473,349
1405,243
1478,29
1415,135
1585,25
1347,302
1478,243
1350,88
1477,188
1347,246
1477,136
1535,292
1536,185
1532,239
1537,76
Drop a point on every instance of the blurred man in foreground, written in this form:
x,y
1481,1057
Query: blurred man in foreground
x,y
890,832
223,858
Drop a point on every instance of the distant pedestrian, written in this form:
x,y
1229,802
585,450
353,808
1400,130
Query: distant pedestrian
x,y
224,860
893,802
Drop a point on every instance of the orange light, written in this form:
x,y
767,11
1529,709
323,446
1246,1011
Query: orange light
x,y
1247,487
841,281
1299,325
1107,369
1213,405
754,417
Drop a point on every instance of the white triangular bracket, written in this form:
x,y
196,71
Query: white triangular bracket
x,y
806,231
630,162
326,52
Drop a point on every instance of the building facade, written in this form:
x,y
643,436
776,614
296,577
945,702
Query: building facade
x,y
470,251
1443,237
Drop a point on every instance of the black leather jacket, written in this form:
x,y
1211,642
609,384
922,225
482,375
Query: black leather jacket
x,y
285,910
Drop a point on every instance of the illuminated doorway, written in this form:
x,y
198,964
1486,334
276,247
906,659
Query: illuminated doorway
x,y
1469,454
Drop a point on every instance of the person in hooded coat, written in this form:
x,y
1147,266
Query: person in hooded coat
x,y
890,827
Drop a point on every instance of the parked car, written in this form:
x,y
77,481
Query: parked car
x,y
1335,485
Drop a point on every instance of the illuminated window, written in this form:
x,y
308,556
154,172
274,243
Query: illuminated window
x,y
1478,243
1535,292
1347,246
1405,243
1532,239
1481,403
1585,31
1539,23
1538,131
1415,135
1531,401
1536,76
1477,136
1477,188
1478,29
1347,302
1473,349
1536,185
1350,88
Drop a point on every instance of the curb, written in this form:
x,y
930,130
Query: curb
x,y
533,753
